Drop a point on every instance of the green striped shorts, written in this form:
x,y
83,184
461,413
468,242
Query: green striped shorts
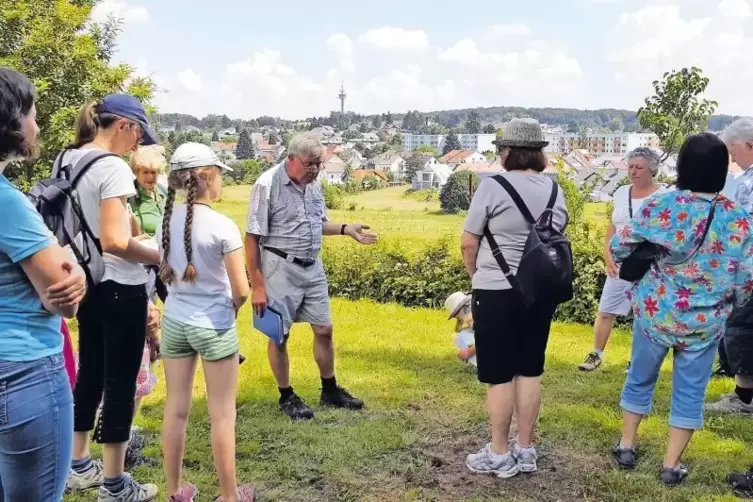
x,y
181,340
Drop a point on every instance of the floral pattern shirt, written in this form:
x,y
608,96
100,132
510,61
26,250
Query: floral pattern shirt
x,y
685,306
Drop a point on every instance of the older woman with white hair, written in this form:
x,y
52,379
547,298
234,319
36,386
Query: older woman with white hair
x,y
643,164
148,205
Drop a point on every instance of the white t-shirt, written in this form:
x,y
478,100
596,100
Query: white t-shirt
x,y
465,339
208,303
621,213
108,178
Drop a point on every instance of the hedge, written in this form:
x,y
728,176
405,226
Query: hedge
x,y
425,277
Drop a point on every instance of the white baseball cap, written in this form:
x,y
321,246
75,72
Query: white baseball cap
x,y
193,155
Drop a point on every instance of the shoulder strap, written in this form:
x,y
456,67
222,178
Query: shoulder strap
x,y
630,201
497,253
516,198
84,163
58,164
553,196
709,219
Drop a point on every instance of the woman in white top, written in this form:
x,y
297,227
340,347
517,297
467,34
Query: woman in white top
x,y
202,266
113,318
643,164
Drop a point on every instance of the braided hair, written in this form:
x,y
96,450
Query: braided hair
x,y
165,272
190,274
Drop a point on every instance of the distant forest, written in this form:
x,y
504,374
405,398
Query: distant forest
x,y
435,122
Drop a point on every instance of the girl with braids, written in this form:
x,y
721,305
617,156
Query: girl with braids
x,y
113,318
202,266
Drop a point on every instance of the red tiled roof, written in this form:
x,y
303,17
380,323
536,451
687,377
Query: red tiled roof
x,y
479,167
360,174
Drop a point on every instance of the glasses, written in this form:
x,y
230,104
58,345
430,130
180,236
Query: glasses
x,y
313,166
133,126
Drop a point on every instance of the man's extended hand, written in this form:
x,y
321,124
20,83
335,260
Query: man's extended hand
x,y
71,290
356,232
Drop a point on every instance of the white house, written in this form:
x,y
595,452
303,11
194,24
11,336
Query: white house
x,y
388,161
473,142
334,169
454,158
433,175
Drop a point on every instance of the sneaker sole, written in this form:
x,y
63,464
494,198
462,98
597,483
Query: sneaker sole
x,y
527,468
352,408
500,474
587,370
82,488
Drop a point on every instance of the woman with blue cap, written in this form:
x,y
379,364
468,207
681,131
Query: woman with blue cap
x,y
113,318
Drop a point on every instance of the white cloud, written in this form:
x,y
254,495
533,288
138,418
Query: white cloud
x,y
395,38
507,31
189,79
341,45
120,9
654,39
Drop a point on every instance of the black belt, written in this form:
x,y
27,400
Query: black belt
x,y
290,258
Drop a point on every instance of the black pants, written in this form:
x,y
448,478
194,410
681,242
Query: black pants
x,y
112,330
511,338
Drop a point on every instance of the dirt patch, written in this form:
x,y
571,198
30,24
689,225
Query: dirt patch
x,y
561,476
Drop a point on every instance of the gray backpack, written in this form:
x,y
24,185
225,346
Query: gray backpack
x,y
56,199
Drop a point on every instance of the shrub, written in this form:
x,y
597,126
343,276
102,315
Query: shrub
x,y
333,196
372,182
456,193
425,277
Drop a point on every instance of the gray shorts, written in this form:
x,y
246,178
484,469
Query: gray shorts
x,y
614,298
299,294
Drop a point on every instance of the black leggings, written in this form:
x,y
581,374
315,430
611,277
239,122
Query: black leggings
x,y
112,330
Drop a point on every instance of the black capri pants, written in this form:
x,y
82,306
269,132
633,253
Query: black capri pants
x,y
511,338
112,333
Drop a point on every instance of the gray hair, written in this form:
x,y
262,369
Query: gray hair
x,y
739,131
646,153
307,145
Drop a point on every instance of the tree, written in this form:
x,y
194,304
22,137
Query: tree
x,y
489,129
372,182
348,174
377,122
363,127
388,118
451,142
215,136
245,148
675,111
273,139
351,134
397,141
473,124
413,164
457,192
360,147
428,150
68,59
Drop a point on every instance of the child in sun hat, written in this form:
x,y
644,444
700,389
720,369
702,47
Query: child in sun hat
x,y
458,306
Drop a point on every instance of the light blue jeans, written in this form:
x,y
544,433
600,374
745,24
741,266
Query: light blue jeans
x,y
36,430
691,372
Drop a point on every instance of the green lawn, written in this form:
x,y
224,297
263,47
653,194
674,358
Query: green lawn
x,y
425,412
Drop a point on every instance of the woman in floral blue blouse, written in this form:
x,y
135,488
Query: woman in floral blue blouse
x,y
683,301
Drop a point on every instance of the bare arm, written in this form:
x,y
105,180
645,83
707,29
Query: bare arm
x,y
255,274
354,231
611,268
115,234
236,272
45,269
469,244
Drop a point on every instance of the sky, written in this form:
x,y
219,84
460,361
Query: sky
x,y
288,59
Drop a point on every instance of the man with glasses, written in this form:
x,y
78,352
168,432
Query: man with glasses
x,y
286,220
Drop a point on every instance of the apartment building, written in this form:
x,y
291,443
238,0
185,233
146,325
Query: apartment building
x,y
600,144
473,142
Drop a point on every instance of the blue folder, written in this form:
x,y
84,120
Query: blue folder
x,y
270,324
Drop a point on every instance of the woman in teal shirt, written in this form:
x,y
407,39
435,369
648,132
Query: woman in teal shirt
x,y
36,405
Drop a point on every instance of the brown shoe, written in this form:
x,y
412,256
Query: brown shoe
x,y
245,494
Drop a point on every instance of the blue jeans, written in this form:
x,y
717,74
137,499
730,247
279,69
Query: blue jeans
x,y
691,372
36,430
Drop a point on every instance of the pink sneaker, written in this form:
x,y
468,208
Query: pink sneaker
x,y
245,494
186,494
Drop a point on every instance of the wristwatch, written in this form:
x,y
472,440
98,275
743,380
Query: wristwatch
x,y
342,230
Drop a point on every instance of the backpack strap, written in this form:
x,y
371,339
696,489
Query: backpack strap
x,y
517,199
58,164
84,163
497,254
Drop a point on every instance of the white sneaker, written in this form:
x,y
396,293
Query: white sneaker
x,y
131,492
91,478
488,462
525,458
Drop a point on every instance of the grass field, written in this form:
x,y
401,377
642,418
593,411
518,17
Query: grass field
x,y
425,412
